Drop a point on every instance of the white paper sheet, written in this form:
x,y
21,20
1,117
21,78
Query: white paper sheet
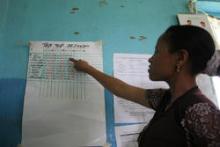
x,y
215,24
63,107
205,84
133,69
126,136
216,84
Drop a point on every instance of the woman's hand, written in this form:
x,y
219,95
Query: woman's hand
x,y
80,65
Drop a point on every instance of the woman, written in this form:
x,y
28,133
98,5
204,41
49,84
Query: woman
x,y
184,116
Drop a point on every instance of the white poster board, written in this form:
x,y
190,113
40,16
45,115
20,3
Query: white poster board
x,y
63,107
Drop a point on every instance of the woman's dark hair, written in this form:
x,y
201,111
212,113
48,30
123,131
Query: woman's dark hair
x,y
197,41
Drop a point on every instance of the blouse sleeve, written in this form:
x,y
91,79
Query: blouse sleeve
x,y
202,125
154,96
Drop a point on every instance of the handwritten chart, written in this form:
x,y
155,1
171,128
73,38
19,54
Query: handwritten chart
x,y
49,64
66,104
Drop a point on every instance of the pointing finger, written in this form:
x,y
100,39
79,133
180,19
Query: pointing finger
x,y
72,60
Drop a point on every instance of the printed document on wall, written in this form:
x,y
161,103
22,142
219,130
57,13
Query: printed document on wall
x,y
133,69
63,107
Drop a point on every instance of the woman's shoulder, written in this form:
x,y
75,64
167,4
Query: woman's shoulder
x,y
198,98
201,121
194,101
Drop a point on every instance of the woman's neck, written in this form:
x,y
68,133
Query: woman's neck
x,y
180,85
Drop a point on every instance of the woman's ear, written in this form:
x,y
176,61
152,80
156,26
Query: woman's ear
x,y
182,57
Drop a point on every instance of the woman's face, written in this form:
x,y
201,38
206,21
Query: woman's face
x,y
163,63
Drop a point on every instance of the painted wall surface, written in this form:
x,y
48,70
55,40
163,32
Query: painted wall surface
x,y
209,7
124,26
